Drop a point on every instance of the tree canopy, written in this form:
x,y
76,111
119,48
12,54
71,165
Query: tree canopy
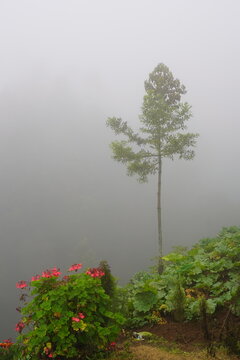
x,y
162,134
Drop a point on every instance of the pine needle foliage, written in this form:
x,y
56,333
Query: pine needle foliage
x,y
162,134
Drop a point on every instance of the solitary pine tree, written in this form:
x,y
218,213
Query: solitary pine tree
x,y
162,134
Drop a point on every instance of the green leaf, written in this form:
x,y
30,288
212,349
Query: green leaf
x,y
174,257
144,301
211,306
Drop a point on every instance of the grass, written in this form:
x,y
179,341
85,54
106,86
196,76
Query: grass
x,y
140,351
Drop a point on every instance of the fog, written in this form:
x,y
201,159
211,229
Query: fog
x,y
66,66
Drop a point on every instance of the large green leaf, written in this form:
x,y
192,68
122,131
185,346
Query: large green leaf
x,y
144,301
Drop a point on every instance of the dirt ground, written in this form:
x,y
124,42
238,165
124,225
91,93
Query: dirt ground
x,y
172,341
185,335
174,331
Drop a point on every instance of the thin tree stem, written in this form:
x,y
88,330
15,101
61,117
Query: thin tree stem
x,y
159,216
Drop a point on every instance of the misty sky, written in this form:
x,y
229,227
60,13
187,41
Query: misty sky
x,y
65,66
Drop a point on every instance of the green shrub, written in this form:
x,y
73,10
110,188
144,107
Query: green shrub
x,y
107,280
139,298
209,271
12,352
67,317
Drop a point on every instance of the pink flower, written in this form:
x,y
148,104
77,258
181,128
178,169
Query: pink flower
x,y
95,272
46,274
81,316
35,278
75,267
75,319
21,284
51,272
50,355
19,326
55,271
8,341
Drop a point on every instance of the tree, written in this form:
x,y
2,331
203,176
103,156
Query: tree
x,y
107,280
162,134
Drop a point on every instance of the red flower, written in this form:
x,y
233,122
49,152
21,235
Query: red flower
x,y
111,346
6,343
75,267
48,352
46,274
37,277
95,272
19,326
75,319
21,284
51,272
55,271
81,316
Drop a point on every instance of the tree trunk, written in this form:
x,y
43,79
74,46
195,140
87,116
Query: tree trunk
x,y
159,216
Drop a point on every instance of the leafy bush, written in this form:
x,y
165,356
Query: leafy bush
x,y
139,298
210,271
67,317
12,352
74,316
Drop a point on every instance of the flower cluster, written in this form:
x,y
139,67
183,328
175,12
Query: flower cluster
x,y
95,272
48,352
54,272
35,278
75,267
6,343
77,312
20,326
21,284
77,319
